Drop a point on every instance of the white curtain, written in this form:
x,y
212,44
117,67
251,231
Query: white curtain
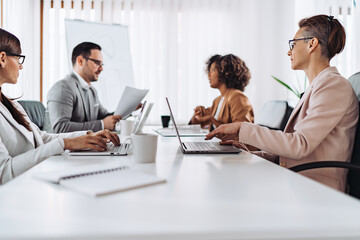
x,y
22,18
170,41
347,62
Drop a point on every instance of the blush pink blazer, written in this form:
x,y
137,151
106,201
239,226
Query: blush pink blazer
x,y
321,128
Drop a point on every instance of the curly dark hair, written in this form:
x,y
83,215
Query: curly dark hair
x,y
232,70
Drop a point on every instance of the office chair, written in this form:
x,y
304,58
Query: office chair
x,y
274,115
353,178
35,110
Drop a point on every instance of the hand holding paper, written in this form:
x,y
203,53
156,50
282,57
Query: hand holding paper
x,y
129,100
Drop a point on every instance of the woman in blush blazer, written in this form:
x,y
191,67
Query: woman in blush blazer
x,y
22,144
230,75
322,125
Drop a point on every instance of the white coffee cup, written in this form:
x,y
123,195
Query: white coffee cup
x,y
126,127
144,147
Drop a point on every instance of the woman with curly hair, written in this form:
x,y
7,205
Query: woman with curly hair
x,y
230,75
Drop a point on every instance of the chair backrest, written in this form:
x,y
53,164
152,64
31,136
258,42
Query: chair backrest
x,y
35,110
354,176
274,115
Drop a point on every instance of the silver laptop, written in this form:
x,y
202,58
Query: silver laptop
x,y
201,147
113,150
144,115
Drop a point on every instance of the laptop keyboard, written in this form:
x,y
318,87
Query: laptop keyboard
x,y
112,148
201,146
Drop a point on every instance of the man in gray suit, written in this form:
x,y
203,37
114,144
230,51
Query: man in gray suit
x,y
73,104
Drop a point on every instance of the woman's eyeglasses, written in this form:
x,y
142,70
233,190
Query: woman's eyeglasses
x,y
292,41
21,58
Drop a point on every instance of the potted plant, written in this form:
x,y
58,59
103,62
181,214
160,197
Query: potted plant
x,y
297,90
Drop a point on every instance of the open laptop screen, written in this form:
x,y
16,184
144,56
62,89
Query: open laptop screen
x,y
173,119
138,118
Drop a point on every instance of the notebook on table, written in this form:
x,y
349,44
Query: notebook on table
x,y
184,131
201,147
98,180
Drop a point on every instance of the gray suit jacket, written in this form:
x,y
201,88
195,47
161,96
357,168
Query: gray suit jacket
x,y
20,150
67,105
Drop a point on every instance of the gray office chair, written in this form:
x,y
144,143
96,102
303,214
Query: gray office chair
x,y
35,110
354,165
274,115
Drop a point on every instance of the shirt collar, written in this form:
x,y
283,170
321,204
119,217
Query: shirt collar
x,y
82,82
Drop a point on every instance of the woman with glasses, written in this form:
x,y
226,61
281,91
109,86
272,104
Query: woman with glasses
x,y
22,144
322,125
230,75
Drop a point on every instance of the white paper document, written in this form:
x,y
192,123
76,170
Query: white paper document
x,y
129,100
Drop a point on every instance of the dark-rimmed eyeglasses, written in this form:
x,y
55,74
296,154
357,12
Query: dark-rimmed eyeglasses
x,y
292,41
21,58
97,62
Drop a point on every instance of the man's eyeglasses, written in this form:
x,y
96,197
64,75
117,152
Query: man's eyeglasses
x,y
97,62
21,58
292,41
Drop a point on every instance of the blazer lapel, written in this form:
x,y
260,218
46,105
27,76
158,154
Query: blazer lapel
x,y
5,112
299,105
216,105
83,98
38,139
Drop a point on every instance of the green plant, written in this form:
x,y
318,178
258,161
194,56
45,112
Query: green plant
x,y
297,90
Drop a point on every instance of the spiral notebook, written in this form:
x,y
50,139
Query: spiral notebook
x,y
98,180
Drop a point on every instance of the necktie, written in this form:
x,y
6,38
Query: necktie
x,y
92,103
89,104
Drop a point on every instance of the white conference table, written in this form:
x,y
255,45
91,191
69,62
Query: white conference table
x,y
237,196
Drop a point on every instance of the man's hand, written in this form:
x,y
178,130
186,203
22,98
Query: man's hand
x,y
110,121
226,132
138,106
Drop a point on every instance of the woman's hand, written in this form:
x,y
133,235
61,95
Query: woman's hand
x,y
88,141
95,141
108,136
204,118
226,132
199,111
200,114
